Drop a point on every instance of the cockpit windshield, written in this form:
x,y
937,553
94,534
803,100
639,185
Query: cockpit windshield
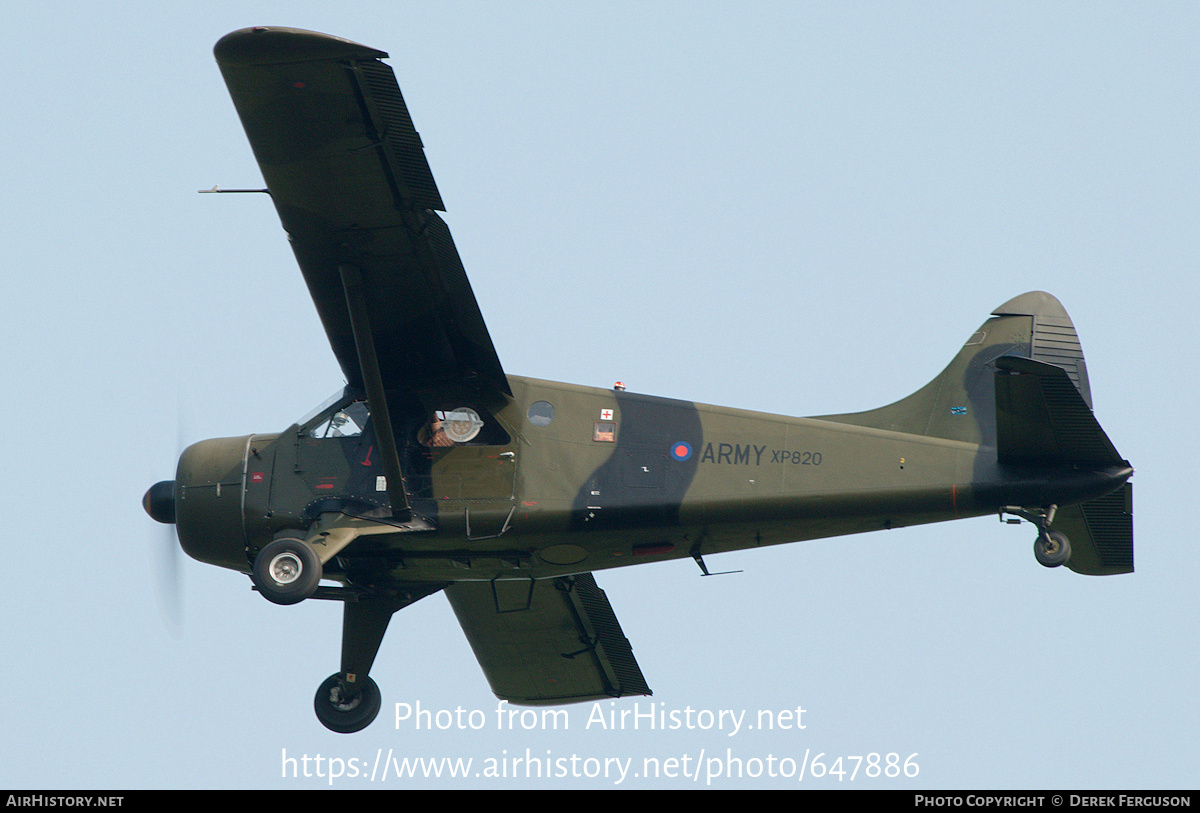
x,y
339,416
347,422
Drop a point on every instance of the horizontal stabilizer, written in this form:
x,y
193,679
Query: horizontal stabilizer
x,y
548,641
1101,533
1042,420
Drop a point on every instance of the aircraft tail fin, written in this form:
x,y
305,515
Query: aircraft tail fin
x,y
960,404
1020,385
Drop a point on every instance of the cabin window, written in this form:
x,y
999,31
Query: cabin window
x,y
461,425
604,432
540,413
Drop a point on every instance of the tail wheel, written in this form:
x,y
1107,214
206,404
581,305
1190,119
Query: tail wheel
x,y
1052,549
346,708
287,571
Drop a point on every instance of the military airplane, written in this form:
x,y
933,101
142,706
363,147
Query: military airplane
x,y
433,470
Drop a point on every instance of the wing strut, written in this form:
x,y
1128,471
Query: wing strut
x,y
356,305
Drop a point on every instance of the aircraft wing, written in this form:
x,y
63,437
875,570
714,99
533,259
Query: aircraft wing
x,y
348,175
547,642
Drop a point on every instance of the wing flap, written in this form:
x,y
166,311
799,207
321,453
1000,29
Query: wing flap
x,y
548,641
347,172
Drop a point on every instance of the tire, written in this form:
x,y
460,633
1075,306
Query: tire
x,y
287,571
1052,549
343,714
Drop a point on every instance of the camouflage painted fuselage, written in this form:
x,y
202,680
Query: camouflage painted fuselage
x,y
671,479
434,470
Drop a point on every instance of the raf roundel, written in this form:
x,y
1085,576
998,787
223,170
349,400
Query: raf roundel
x,y
681,450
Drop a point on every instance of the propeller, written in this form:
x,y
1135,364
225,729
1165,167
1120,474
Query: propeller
x,y
159,503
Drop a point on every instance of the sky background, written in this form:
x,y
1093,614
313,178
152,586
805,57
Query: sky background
x,y
801,208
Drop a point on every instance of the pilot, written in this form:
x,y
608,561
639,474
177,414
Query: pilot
x,y
434,434
336,423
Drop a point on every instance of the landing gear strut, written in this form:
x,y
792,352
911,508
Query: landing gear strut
x,y
349,700
1051,548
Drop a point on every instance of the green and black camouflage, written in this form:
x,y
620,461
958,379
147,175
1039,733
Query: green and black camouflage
x,y
434,470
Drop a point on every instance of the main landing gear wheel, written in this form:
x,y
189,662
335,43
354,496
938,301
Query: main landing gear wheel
x,y
287,571
1052,549
346,709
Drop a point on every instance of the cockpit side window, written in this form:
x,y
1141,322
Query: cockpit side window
x,y
347,422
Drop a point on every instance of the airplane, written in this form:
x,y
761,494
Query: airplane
x,y
432,470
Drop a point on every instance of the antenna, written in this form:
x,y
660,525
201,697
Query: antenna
x,y
218,190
